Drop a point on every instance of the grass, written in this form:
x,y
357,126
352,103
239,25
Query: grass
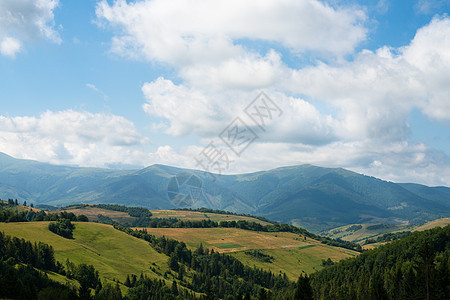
x,y
227,245
113,253
198,216
292,254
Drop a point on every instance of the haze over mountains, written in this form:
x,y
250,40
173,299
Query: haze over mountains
x,y
313,197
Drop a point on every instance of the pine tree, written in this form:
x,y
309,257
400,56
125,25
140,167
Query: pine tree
x,y
127,282
174,288
303,290
173,262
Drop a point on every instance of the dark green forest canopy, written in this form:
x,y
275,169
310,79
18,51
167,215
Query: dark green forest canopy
x,y
414,267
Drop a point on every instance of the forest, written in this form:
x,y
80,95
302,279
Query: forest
x,y
414,267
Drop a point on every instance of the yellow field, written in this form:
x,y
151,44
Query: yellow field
x,y
198,216
439,222
292,254
93,212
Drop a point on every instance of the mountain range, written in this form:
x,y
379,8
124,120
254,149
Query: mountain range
x,y
313,197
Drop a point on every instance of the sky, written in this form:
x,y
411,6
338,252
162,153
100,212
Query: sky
x,y
229,86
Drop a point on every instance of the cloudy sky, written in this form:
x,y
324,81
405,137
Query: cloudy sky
x,y
363,85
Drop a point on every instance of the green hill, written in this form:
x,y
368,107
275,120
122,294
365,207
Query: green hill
x,y
291,254
113,253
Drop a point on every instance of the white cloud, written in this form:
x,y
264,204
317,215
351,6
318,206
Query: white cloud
x,y
374,93
429,52
183,32
194,111
343,113
72,137
10,47
187,110
26,20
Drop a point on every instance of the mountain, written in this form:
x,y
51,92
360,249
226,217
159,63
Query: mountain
x,y
313,197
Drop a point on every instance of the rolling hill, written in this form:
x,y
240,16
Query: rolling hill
x,y
289,253
312,197
113,253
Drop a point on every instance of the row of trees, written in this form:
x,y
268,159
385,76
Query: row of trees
x,y
224,212
142,215
13,202
7,216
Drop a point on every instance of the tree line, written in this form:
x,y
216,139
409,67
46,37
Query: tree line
x,y
224,212
7,216
141,214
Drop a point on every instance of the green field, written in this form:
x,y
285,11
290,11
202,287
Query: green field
x,y
227,245
292,253
113,253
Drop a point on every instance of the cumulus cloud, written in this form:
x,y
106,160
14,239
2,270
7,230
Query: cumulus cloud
x,y
80,138
26,20
185,32
375,93
337,112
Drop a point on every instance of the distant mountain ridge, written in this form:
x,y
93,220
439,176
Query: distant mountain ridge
x,y
313,197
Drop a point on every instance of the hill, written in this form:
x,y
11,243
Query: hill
x,y
312,197
362,232
113,253
281,251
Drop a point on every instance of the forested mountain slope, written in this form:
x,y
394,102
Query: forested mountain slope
x,y
313,197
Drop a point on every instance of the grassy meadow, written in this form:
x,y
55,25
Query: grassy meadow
x,y
113,253
292,254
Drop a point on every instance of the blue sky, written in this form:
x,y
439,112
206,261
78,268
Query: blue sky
x,y
362,85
